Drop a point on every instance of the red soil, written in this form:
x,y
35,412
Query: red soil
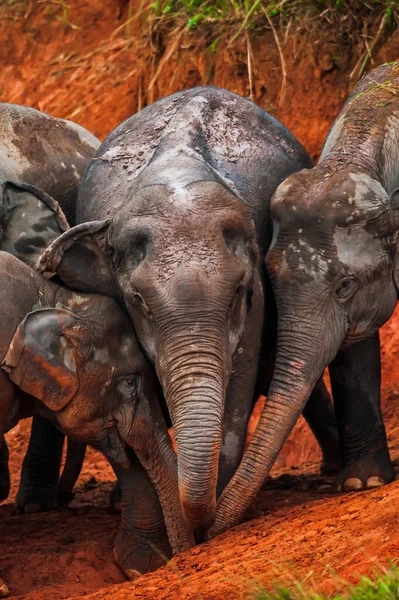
x,y
299,525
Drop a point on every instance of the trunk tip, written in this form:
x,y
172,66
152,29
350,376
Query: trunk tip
x,y
199,513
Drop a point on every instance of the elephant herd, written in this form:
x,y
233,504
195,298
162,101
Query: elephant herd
x,y
169,276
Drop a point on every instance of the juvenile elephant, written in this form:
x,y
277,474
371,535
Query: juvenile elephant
x,y
52,154
79,356
335,273
181,196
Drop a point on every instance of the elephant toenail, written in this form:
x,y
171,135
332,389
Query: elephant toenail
x,y
352,484
374,482
132,573
4,591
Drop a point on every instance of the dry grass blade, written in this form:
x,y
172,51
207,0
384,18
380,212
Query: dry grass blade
x,y
167,56
249,65
366,57
282,61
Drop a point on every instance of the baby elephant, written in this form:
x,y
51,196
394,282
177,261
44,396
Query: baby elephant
x,y
75,359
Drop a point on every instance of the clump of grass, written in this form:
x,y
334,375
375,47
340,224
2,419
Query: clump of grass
x,y
383,587
252,14
366,23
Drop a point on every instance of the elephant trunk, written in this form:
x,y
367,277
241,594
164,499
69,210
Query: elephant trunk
x,y
193,371
303,351
144,429
165,480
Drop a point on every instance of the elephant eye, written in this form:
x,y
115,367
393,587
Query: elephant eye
x,y
127,387
116,259
346,288
138,300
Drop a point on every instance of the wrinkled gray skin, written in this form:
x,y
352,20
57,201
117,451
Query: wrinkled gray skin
x,y
44,151
334,268
79,355
52,154
181,194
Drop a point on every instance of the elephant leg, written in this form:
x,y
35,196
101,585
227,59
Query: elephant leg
x,y
115,499
4,470
355,380
40,469
237,412
319,414
73,465
142,543
240,395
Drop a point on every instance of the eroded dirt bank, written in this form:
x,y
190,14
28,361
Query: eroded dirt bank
x,y
88,74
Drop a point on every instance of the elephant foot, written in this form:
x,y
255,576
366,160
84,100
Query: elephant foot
x,y
4,591
330,465
115,500
4,471
31,499
136,560
64,497
331,462
4,484
366,474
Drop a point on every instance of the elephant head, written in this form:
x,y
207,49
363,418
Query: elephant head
x,y
182,256
334,267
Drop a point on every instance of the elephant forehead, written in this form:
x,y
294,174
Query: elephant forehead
x,y
357,248
186,253
309,260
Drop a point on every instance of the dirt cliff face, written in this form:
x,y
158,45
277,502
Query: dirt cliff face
x,y
84,65
79,63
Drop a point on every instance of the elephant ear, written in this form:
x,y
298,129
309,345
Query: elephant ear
x,y
80,257
29,220
41,356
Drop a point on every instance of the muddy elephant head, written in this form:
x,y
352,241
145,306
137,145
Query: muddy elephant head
x,y
334,266
334,269
182,257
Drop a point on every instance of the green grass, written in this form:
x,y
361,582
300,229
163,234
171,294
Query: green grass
x,y
251,14
383,587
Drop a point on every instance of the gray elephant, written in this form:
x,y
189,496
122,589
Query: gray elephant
x,y
335,272
180,196
78,355
52,154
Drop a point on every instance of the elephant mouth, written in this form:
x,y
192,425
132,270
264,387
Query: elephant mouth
x,y
354,335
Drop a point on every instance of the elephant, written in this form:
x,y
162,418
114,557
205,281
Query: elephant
x,y
52,154
74,359
174,221
333,263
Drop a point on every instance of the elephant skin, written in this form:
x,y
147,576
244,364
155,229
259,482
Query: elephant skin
x,y
51,153
174,220
75,359
334,268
